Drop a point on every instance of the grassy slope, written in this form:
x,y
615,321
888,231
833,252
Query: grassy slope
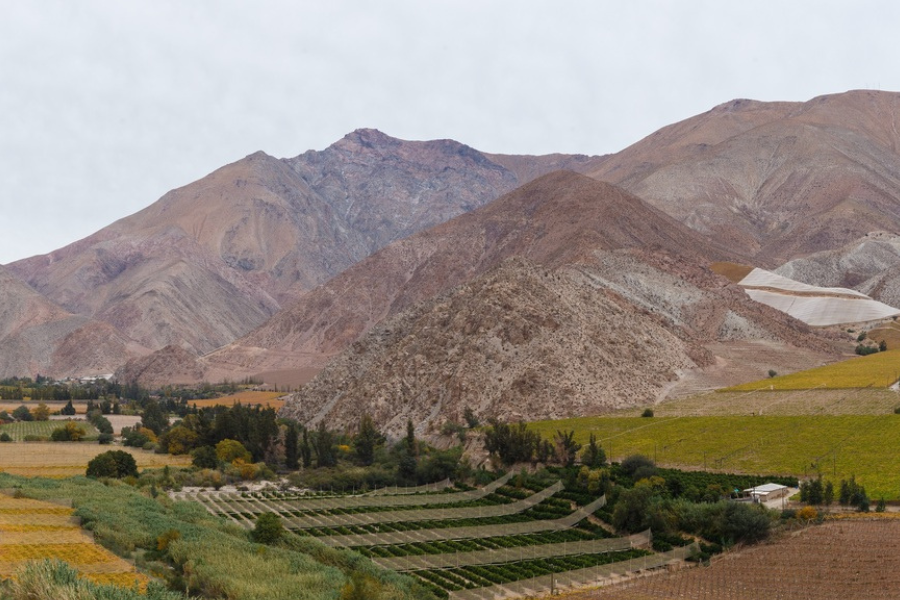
x,y
216,559
876,370
838,446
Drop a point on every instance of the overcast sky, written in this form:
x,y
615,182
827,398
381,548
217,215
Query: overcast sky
x,y
105,105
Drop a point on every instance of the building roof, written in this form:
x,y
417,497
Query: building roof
x,y
766,488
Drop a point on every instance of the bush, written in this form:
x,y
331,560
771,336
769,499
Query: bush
x,y
648,412
21,413
5,437
807,513
268,529
105,439
864,350
70,432
113,463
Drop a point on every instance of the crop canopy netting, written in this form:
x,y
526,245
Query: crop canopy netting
x,y
508,555
464,533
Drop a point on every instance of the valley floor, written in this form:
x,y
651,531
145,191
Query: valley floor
x,y
837,560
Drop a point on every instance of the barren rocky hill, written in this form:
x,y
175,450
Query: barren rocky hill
x,y
38,336
870,264
560,218
524,341
210,261
777,180
607,293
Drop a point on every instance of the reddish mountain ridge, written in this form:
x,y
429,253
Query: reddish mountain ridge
x,y
775,180
566,289
210,261
40,337
560,218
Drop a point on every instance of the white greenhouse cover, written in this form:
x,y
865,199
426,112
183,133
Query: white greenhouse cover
x,y
817,306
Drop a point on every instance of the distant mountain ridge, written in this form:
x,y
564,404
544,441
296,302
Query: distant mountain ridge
x,y
228,256
566,296
210,261
776,180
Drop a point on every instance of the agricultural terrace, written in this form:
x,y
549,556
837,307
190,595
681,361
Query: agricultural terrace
x,y
20,430
65,459
461,544
879,370
247,398
204,556
834,561
801,445
36,530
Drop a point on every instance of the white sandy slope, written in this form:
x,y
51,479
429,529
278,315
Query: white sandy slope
x,y
817,306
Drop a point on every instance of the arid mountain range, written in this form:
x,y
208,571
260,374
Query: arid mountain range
x,y
565,296
337,257
210,261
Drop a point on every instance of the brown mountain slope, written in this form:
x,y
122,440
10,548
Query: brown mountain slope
x,y
775,180
560,218
210,261
526,342
37,336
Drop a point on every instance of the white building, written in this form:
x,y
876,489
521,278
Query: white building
x,y
767,491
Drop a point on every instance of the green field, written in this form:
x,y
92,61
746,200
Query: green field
x,y
838,446
18,430
876,370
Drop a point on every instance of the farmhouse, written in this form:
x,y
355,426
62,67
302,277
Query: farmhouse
x,y
766,492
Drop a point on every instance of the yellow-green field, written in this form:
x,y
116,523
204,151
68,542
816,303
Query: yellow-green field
x,y
246,398
836,446
65,459
35,530
889,332
876,370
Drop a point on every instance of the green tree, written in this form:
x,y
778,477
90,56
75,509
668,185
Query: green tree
x,y
227,451
513,443
638,466
366,441
68,409
828,494
21,413
323,444
179,440
268,529
593,455
70,432
41,412
306,450
631,512
154,418
205,457
112,463
566,447
291,448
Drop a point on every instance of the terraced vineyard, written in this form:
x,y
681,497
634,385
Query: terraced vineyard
x,y
465,542
35,530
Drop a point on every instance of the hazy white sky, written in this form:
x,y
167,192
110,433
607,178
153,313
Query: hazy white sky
x,y
105,105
